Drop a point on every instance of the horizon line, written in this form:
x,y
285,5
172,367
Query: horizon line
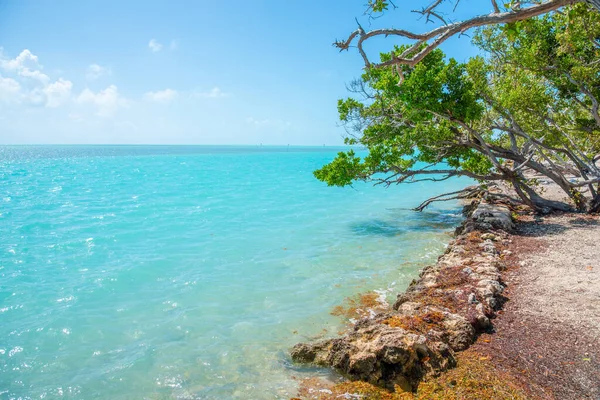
x,y
176,144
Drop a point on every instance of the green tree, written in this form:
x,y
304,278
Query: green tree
x,y
530,103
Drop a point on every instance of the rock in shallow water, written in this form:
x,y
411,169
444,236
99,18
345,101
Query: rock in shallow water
x,y
439,314
380,354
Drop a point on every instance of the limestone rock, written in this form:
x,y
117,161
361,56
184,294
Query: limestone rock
x,y
386,355
487,216
440,313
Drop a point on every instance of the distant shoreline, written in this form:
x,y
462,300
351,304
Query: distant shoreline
x,y
309,146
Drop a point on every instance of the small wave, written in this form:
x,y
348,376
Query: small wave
x,y
103,216
171,303
65,299
15,350
171,381
382,296
5,309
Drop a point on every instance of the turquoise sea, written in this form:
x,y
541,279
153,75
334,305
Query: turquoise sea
x,y
187,272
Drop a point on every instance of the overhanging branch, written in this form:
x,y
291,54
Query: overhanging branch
x,y
469,192
437,36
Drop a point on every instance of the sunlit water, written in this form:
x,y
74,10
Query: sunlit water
x,y
188,272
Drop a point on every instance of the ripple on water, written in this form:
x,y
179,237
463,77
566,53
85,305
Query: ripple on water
x,y
164,273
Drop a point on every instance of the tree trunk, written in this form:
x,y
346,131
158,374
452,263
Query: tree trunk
x,y
574,194
595,205
526,200
595,4
545,204
556,176
535,201
551,205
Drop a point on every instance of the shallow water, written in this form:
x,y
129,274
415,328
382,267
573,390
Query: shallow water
x,y
188,272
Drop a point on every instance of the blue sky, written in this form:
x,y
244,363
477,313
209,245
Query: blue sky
x,y
184,72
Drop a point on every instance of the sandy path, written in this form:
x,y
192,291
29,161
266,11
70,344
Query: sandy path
x,y
561,282
549,332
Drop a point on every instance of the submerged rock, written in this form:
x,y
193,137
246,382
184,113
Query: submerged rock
x,y
379,354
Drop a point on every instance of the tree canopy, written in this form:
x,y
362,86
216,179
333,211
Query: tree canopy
x,y
531,101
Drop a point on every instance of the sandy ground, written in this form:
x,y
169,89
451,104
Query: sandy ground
x,y
549,332
561,281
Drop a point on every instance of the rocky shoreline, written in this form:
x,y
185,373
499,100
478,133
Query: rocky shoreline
x,y
441,313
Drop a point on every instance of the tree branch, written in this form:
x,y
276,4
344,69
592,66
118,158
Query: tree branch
x,y
466,193
439,35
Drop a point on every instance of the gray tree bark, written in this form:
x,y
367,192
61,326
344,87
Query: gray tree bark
x,y
595,3
595,205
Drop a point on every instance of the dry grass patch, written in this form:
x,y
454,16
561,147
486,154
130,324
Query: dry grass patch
x,y
358,306
474,378
420,323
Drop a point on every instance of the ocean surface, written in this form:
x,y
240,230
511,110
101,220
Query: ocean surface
x,y
187,272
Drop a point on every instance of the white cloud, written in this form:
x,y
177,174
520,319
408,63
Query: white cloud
x,y
34,74
24,60
10,90
155,46
214,93
26,65
161,96
35,97
27,85
106,101
58,93
95,71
